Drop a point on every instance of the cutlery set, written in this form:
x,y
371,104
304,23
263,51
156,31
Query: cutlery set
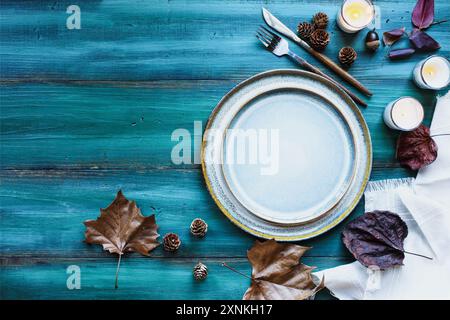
x,y
294,192
280,47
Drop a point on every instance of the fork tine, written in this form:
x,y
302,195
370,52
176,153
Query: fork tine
x,y
272,33
264,36
271,40
262,41
274,39
267,35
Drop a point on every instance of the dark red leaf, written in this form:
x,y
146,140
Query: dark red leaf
x,y
416,149
376,239
390,37
401,53
423,14
422,41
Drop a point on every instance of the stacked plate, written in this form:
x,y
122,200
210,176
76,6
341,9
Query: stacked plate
x,y
286,155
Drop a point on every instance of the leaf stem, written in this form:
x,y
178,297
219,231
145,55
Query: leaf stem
x,y
117,272
438,135
407,252
438,22
234,270
416,254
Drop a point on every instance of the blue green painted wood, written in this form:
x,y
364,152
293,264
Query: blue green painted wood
x,y
87,112
187,39
129,125
140,278
61,200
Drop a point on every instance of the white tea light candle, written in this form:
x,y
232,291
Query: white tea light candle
x,y
355,15
432,73
404,114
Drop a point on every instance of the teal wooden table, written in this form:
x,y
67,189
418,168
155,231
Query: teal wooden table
x,y
87,112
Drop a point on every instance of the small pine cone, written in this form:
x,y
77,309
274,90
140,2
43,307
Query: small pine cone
x,y
347,56
171,242
319,39
304,30
320,20
199,228
200,271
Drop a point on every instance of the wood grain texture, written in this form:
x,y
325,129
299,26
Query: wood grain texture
x,y
43,211
129,125
140,278
87,112
188,39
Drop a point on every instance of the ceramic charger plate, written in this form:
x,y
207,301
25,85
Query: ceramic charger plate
x,y
286,155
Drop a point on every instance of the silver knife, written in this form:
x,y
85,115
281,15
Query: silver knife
x,y
277,25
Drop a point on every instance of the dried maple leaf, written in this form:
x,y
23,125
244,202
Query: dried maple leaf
x,y
376,239
278,274
122,228
416,149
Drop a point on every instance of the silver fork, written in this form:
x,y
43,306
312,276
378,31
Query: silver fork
x,y
280,47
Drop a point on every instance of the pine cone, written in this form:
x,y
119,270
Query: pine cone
x,y
171,242
320,20
347,56
200,271
199,228
319,39
304,30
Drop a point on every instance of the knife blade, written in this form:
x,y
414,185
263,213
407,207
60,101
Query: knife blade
x,y
277,25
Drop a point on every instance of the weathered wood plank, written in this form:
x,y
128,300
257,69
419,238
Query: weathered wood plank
x,y
42,212
76,127
196,39
140,278
129,125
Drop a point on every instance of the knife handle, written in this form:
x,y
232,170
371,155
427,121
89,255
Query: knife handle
x,y
316,70
333,66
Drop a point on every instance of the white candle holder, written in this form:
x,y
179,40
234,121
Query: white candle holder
x,y
355,15
432,73
405,114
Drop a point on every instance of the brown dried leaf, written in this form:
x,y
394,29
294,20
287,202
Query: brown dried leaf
x,y
278,274
122,228
416,149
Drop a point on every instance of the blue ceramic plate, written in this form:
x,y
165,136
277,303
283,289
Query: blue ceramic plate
x,y
324,155
296,152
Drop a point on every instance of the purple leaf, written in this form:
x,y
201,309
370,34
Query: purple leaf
x,y
376,239
423,14
401,53
389,37
416,149
422,41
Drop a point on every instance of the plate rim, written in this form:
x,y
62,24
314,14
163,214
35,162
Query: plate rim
x,y
347,184
367,140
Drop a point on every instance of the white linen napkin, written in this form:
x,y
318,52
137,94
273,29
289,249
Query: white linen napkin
x,y
424,204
